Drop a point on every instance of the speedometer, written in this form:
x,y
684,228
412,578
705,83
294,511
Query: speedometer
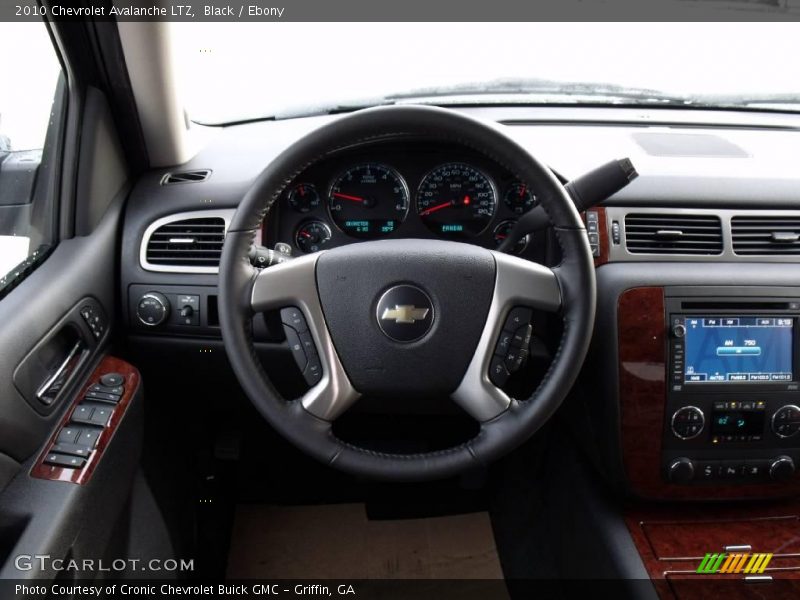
x,y
368,201
456,200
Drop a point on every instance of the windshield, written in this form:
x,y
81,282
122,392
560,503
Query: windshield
x,y
237,71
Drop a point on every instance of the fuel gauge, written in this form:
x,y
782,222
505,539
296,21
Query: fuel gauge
x,y
311,236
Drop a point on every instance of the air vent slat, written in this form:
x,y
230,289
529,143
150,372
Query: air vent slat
x,y
189,242
673,234
766,236
186,176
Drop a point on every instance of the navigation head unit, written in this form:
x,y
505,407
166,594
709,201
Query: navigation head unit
x,y
737,349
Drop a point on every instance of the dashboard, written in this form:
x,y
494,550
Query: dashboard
x,y
400,189
710,242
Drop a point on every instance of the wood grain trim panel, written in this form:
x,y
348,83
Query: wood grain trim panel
x,y
642,386
766,527
80,476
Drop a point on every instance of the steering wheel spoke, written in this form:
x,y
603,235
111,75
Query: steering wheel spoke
x,y
520,287
293,285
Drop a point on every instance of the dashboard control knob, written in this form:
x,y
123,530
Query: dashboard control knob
x,y
786,421
681,470
687,422
187,311
782,468
679,330
152,309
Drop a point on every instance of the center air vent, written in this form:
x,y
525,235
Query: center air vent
x,y
187,242
673,234
766,235
186,176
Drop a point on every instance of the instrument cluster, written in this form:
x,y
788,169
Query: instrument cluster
x,y
401,189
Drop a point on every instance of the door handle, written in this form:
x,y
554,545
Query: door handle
x,y
48,391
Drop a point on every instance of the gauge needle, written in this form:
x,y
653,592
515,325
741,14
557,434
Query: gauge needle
x,y
433,209
348,197
305,234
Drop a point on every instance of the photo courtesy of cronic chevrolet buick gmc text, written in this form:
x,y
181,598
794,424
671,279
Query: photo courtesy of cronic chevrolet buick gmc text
x,y
399,310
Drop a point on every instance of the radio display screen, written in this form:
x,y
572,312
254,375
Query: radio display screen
x,y
738,349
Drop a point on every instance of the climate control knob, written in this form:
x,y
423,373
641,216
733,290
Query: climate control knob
x,y
782,468
786,421
152,309
681,470
687,422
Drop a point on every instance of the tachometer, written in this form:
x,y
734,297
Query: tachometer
x,y
456,199
368,201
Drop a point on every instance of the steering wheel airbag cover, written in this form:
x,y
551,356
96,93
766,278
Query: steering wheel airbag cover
x,y
458,279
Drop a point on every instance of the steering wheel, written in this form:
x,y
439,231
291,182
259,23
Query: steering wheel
x,y
406,316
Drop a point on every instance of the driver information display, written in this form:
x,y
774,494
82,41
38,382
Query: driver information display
x,y
738,349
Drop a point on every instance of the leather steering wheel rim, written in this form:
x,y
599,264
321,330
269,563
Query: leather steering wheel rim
x,y
518,420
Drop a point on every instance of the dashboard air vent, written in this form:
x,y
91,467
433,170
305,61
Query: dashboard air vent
x,y
673,234
187,243
186,176
766,235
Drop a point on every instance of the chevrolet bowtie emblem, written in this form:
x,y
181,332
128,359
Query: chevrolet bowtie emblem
x,y
404,313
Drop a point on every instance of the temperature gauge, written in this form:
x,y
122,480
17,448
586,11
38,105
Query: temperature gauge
x,y
303,197
519,198
501,233
312,236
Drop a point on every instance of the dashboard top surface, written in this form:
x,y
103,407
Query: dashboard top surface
x,y
693,158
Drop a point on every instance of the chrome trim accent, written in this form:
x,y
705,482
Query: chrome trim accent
x,y
517,282
45,387
152,296
741,548
619,253
758,578
294,283
226,214
168,174
702,422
